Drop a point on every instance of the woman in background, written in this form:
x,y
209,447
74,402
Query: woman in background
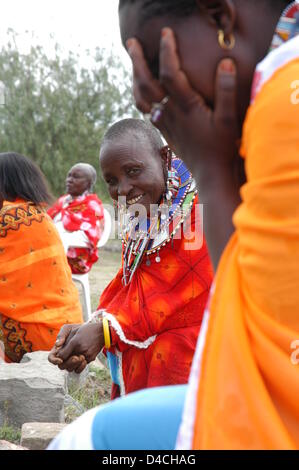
x,y
37,295
81,210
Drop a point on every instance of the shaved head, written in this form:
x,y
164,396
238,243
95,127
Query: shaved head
x,y
88,170
142,131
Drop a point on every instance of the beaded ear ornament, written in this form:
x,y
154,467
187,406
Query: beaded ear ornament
x,y
173,182
162,227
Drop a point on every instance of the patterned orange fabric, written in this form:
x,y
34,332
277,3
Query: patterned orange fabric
x,y
37,296
160,311
248,390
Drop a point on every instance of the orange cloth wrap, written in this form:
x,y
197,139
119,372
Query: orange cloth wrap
x,y
248,394
37,295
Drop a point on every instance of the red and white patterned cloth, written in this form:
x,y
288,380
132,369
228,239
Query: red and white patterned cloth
x,y
85,213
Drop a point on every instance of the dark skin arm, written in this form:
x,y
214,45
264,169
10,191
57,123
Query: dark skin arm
x,y
206,139
76,346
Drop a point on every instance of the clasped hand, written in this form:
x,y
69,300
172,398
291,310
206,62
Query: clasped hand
x,y
76,346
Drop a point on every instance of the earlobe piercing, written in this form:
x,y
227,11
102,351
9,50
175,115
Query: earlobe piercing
x,y
226,43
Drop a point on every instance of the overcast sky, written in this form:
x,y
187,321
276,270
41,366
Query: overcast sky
x,y
76,24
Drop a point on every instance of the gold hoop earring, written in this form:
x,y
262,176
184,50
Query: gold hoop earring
x,y
224,43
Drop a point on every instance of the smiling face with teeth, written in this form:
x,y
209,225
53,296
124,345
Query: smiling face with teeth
x,y
134,169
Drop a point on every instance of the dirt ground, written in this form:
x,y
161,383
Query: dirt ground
x,y
103,271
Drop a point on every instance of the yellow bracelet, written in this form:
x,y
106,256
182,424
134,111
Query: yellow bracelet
x,y
106,330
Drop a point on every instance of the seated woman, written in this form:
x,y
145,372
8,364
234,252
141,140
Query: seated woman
x,y
37,295
80,210
155,304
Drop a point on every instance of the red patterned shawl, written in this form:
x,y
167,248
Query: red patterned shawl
x,y
155,320
84,213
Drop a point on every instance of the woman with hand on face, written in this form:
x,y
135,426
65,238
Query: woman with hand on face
x,y
81,210
153,308
215,75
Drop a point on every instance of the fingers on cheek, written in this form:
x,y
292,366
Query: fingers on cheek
x,y
142,106
141,103
164,124
166,77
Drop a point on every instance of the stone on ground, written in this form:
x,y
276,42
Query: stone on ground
x,y
5,445
37,436
32,391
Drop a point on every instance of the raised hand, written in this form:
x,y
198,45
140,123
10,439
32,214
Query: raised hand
x,y
206,139
199,134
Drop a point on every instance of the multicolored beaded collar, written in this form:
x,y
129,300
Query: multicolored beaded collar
x,y
161,229
286,33
288,25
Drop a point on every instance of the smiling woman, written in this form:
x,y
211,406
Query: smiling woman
x,y
132,163
154,305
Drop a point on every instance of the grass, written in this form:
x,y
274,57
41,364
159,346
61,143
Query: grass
x,y
103,271
94,392
10,434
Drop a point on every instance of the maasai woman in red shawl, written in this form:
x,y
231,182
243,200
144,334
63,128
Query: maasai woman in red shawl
x,y
154,306
80,210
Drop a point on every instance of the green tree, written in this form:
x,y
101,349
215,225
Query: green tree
x,y
56,111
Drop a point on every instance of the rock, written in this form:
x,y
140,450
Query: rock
x,y
75,381
5,445
32,391
70,401
37,436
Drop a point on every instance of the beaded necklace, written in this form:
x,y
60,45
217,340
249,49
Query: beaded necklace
x,y
288,25
161,228
287,29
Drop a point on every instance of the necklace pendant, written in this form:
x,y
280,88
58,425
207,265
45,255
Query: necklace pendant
x,y
148,262
158,259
